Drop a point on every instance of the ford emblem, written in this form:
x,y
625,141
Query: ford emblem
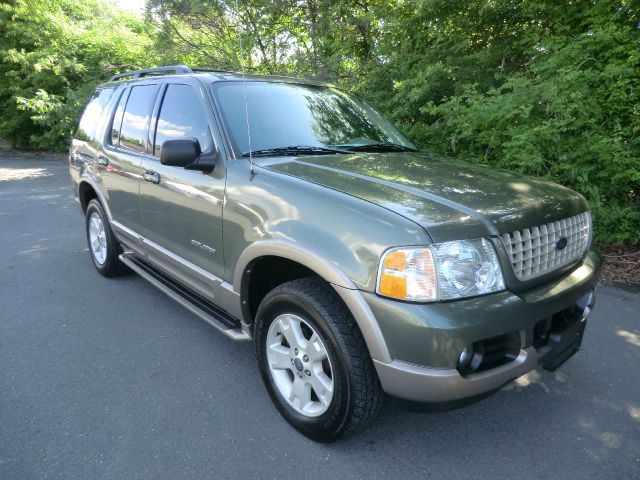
x,y
561,243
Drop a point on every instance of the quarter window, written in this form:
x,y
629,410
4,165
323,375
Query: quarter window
x,y
117,119
92,115
133,133
182,116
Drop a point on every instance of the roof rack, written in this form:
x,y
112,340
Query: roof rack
x,y
169,69
204,70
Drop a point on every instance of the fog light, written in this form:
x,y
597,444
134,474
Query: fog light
x,y
464,360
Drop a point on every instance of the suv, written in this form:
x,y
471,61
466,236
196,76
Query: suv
x,y
292,214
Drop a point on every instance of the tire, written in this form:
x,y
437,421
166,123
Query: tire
x,y
105,249
355,395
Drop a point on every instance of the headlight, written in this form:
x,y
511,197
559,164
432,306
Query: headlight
x,y
440,272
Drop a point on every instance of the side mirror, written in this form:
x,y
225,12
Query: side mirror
x,y
179,153
186,153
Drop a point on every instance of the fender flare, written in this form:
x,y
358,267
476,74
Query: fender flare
x,y
85,178
344,287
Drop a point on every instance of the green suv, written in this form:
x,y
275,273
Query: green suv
x,y
292,214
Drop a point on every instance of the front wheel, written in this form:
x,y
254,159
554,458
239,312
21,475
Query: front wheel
x,y
314,361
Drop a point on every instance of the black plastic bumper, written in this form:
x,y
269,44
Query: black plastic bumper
x,y
564,341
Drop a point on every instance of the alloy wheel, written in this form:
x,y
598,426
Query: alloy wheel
x,y
97,238
300,365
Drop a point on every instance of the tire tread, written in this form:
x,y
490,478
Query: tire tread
x,y
366,389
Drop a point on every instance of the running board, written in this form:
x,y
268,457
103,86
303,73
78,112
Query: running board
x,y
203,308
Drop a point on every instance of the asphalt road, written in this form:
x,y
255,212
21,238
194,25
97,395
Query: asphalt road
x,y
103,378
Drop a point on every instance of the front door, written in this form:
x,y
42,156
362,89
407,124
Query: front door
x,y
182,209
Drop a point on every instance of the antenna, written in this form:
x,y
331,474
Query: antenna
x,y
246,103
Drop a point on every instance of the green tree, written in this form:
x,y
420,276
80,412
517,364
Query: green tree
x,y
549,89
52,55
541,87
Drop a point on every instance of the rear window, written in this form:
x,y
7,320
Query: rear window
x,y
91,118
133,133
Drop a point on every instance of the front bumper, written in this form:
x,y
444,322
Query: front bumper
x,y
425,340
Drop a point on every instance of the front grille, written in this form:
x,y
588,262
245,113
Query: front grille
x,y
533,251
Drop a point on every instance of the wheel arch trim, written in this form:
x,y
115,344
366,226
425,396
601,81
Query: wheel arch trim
x,y
291,251
94,185
344,287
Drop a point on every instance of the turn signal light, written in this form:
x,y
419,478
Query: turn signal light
x,y
408,274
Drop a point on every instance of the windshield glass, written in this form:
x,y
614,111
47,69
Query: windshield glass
x,y
291,115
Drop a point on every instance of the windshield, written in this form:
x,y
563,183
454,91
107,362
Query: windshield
x,y
285,115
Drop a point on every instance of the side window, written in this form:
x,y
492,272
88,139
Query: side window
x,y
92,115
182,116
136,117
116,123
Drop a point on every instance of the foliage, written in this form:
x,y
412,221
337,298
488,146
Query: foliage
x,y
546,88
52,55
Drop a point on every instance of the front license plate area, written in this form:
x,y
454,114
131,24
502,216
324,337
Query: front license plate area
x,y
564,341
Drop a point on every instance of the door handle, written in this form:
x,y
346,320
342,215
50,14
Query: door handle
x,y
103,160
151,177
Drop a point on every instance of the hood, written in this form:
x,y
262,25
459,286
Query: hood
x,y
450,199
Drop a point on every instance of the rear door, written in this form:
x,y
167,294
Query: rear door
x,y
182,209
126,146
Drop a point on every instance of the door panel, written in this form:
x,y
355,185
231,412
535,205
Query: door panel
x,y
121,180
120,163
182,212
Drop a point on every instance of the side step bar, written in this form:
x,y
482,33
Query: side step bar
x,y
206,310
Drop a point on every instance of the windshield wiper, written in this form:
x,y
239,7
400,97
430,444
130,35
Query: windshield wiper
x,y
294,150
378,147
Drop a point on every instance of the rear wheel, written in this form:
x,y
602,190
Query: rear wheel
x,y
103,246
314,361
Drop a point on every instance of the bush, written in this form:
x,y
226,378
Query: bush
x,y
555,94
53,54
550,89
